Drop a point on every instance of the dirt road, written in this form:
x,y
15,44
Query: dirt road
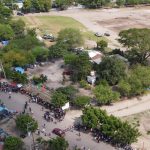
x,y
129,107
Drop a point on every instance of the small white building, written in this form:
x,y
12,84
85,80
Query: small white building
x,y
91,78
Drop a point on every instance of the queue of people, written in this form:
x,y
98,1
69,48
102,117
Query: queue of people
x,y
33,98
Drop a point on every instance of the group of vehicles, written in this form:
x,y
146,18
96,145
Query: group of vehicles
x,y
98,34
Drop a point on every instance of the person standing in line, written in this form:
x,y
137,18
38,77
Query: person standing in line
x,y
9,94
30,109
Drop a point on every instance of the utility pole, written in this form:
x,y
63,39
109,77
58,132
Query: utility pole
x,y
2,69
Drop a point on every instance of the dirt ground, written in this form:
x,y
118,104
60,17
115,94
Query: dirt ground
x,y
142,120
53,71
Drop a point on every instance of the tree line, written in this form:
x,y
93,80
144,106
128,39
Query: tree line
x,y
109,126
46,5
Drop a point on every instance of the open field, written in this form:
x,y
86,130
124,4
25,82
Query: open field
x,y
53,24
101,20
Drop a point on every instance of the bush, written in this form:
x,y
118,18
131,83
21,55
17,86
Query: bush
x,y
13,143
81,101
39,80
105,95
85,85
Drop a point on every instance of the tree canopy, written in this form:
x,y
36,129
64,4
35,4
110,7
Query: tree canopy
x,y
80,65
111,69
59,99
58,143
70,37
137,42
69,91
118,131
104,94
36,5
6,32
40,53
12,143
63,4
81,101
94,3
18,27
26,123
5,13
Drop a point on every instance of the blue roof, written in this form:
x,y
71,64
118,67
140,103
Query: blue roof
x,y
19,69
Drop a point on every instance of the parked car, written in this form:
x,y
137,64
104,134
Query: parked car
x,y
106,34
48,36
78,49
20,13
58,132
98,34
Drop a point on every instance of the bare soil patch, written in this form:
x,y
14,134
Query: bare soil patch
x,y
142,120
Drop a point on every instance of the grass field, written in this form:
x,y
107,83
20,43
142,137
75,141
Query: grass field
x,y
53,24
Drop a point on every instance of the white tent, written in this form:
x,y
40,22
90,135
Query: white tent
x,y
66,106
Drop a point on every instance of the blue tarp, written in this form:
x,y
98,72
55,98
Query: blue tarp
x,y
19,69
5,43
3,108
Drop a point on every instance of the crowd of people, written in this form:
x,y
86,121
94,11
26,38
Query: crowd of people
x,y
59,114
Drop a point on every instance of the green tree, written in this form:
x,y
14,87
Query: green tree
x,y
112,70
47,5
27,6
13,143
101,45
120,2
94,3
137,42
124,88
58,143
19,78
40,53
79,64
31,32
26,43
114,128
105,95
136,85
58,50
69,91
40,80
26,123
81,101
18,27
5,13
6,32
143,74
63,4
58,99
14,58
71,37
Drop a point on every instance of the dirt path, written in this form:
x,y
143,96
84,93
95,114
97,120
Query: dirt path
x,y
129,107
